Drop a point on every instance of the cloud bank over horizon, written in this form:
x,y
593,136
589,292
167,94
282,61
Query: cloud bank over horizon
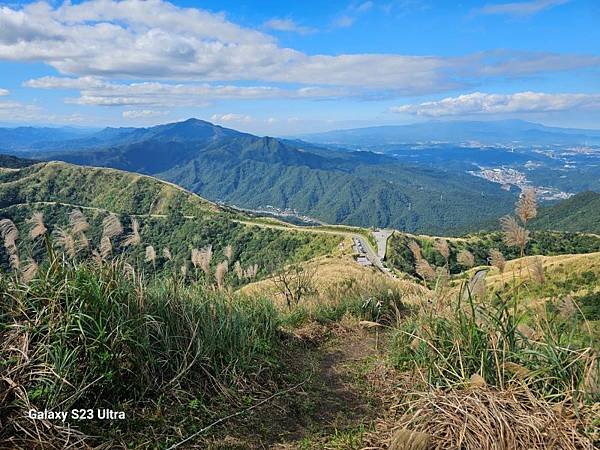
x,y
154,53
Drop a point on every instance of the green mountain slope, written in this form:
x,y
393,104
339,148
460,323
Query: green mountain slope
x,y
578,213
356,188
169,216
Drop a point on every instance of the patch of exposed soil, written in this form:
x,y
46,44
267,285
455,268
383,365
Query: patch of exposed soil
x,y
330,411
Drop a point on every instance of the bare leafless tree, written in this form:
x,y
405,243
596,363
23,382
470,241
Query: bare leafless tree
x,y
294,282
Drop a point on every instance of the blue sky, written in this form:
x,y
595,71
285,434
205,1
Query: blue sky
x,y
279,68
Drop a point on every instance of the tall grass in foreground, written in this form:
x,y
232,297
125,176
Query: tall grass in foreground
x,y
92,335
495,342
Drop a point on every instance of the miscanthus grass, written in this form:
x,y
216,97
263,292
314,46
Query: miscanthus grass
x,y
96,334
500,341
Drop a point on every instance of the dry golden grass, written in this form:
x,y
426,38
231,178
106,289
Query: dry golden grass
x,y
487,419
555,267
331,274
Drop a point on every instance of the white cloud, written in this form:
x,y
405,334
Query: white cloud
x,y
153,40
95,91
343,21
231,117
521,102
364,7
143,113
288,25
4,92
526,8
15,111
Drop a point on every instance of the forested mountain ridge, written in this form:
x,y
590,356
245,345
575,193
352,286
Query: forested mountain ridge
x,y
356,188
580,213
169,217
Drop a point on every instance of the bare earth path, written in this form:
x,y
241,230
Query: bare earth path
x,y
332,411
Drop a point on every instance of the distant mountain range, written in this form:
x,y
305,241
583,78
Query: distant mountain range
x,y
486,132
357,188
36,138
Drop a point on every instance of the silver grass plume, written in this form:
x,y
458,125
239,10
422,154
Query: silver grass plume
x,y
415,249
526,207
38,228
128,271
167,254
514,234
134,237
425,271
97,257
497,259
65,240
105,247
150,254
220,272
237,269
78,222
441,245
537,271
466,259
196,258
202,258
9,234
111,226
228,252
29,271
251,271
81,241
14,261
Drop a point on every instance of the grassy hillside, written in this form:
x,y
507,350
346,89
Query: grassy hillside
x,y
479,245
356,188
578,213
169,217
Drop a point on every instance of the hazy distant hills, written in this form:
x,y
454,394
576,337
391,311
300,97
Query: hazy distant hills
x,y
492,132
358,188
580,213
28,138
